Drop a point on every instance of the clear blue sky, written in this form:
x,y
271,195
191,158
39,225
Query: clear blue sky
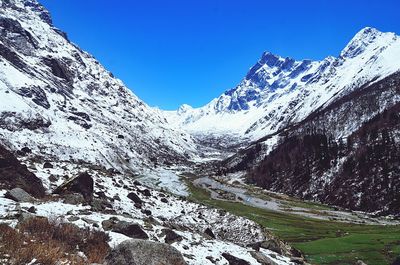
x,y
190,51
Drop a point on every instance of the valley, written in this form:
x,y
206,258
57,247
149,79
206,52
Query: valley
x,y
297,164
324,236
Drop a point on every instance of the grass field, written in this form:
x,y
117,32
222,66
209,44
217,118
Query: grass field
x,y
322,242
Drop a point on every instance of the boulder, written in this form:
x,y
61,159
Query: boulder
x,y
109,224
146,212
232,260
134,198
19,195
297,253
99,205
74,198
139,252
263,259
145,192
23,217
15,175
82,184
297,260
32,209
256,246
25,150
171,236
53,178
132,230
47,165
209,233
73,218
272,245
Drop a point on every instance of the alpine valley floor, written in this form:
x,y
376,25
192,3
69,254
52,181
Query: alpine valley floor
x,y
324,239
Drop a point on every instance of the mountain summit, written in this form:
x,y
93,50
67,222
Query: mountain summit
x,y
277,91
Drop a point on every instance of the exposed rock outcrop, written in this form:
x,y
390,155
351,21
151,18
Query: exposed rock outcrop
x,y
82,184
139,252
15,175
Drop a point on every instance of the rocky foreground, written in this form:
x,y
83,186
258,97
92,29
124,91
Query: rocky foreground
x,y
159,225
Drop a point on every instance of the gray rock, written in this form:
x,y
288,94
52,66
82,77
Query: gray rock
x,y
297,260
73,218
53,178
83,184
133,196
32,209
263,259
171,236
140,252
99,205
209,233
47,165
13,174
129,229
272,245
232,260
89,221
145,192
74,198
109,224
19,195
256,246
24,217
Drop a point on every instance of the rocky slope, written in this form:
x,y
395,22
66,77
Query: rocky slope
x,y
61,103
124,208
76,146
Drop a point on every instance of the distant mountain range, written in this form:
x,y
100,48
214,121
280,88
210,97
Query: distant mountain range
x,y
59,102
319,130
278,92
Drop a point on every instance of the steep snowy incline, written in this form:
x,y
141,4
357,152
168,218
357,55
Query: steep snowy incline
x,y
62,104
278,92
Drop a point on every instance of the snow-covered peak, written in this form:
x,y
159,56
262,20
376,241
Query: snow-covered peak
x,y
279,91
184,108
366,37
28,5
271,65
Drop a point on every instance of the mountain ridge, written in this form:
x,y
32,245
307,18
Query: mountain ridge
x,y
256,106
48,84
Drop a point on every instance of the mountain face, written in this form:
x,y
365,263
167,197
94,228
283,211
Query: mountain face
x,y
278,92
73,139
318,159
61,103
319,130
312,161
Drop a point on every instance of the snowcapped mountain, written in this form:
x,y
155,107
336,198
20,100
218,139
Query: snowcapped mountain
x,y
278,92
64,105
328,131
75,138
